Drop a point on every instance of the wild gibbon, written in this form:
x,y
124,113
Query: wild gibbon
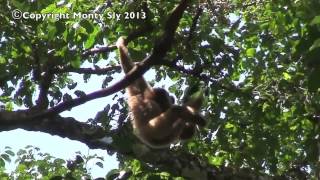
x,y
156,120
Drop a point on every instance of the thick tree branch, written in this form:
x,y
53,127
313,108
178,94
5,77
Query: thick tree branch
x,y
57,125
175,162
135,73
165,42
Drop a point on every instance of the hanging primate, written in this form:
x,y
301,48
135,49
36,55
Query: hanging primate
x,y
156,121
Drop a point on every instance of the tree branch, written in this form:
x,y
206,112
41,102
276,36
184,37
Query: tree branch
x,y
165,42
97,71
194,24
103,49
57,125
175,162
203,77
44,75
134,74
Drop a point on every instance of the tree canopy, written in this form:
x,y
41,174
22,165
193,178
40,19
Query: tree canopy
x,y
256,62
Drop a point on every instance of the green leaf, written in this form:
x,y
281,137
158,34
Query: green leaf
x,y
316,44
6,157
286,76
21,167
9,152
2,163
90,41
251,52
229,126
2,60
217,161
51,31
87,25
315,20
49,9
76,63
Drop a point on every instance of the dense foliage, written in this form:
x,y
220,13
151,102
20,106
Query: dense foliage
x,y
257,63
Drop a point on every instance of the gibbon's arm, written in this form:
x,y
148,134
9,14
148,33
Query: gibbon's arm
x,y
139,86
125,60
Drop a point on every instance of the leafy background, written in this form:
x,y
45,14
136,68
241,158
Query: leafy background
x,y
256,61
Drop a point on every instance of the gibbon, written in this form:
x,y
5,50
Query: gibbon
x,y
156,121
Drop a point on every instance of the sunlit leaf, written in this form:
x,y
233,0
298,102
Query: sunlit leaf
x,y
251,52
